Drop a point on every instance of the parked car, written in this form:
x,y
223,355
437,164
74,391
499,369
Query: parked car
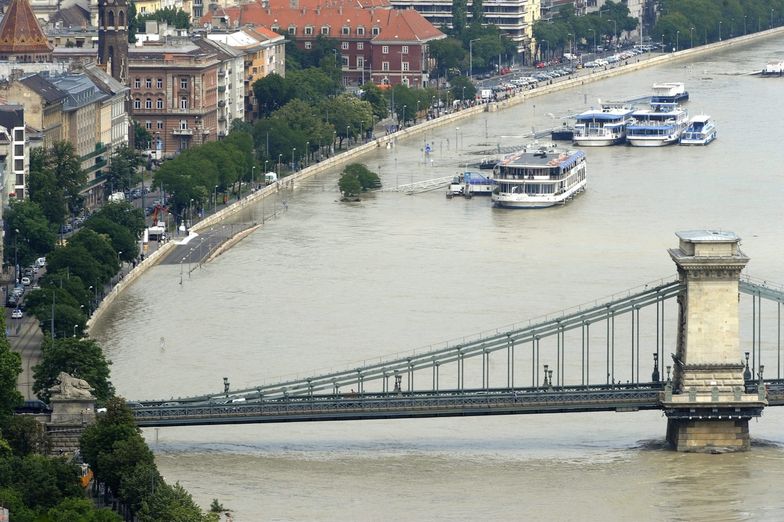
x,y
17,314
33,406
26,281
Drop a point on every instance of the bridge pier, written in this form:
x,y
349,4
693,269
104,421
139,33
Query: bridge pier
x,y
706,404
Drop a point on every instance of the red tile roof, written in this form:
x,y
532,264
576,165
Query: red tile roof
x,y
312,4
404,26
20,32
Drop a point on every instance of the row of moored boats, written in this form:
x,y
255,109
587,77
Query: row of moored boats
x,y
664,122
546,176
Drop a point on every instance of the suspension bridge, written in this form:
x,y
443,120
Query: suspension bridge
x,y
673,345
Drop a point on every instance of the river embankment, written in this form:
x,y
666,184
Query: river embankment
x,y
583,77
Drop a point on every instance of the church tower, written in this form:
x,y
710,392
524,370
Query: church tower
x,y
113,38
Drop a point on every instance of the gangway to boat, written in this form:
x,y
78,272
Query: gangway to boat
x,y
420,186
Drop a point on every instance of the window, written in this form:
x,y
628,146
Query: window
x,y
160,125
308,45
148,103
18,134
183,83
384,66
360,31
344,45
325,30
376,31
160,83
148,83
148,125
19,149
137,83
137,103
360,46
345,30
183,125
344,60
19,164
404,66
292,29
404,49
159,103
360,62
384,49
309,30
183,102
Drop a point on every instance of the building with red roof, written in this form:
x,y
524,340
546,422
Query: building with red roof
x,y
21,38
379,45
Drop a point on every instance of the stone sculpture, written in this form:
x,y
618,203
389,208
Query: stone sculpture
x,y
69,387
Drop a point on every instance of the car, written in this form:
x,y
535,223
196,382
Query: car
x,y
33,406
26,281
17,314
41,262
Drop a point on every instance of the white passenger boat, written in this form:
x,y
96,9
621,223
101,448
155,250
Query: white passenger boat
x,y
604,126
661,124
773,69
470,184
539,178
701,131
669,92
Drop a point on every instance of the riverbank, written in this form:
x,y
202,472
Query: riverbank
x,y
355,154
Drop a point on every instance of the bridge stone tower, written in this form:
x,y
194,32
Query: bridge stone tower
x,y
113,38
707,407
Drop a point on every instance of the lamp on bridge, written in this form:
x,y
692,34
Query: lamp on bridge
x,y
655,374
226,386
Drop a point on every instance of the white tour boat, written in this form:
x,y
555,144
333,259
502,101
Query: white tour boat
x,y
661,124
669,92
539,178
604,126
773,69
470,184
701,131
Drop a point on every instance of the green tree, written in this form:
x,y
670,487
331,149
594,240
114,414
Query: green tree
x,y
44,188
44,482
66,167
462,88
171,15
373,95
272,92
459,16
122,174
132,15
349,186
25,435
142,139
477,12
367,179
120,238
348,115
174,504
448,54
99,247
82,358
81,510
10,368
34,238
122,213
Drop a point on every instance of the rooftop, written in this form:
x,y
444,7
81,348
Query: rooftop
x,y
20,32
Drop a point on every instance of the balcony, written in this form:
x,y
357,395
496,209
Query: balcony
x,y
221,103
182,132
100,148
221,88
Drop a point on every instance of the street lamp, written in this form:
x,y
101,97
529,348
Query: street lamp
x,y
771,17
405,115
74,329
16,256
307,153
293,150
547,48
253,175
744,24
719,30
457,129
471,57
594,39
569,40
691,36
677,37
215,198
279,158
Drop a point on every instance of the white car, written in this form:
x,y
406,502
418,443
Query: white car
x,y
17,314
26,281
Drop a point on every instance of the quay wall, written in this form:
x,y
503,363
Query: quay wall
x,y
355,154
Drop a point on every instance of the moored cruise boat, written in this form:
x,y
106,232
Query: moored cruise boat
x,y
773,69
539,178
604,126
701,131
470,184
661,124
669,92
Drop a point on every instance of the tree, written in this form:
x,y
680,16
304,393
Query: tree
x,y
477,12
463,88
44,188
100,248
132,22
120,238
122,173
142,139
35,237
348,115
10,368
272,92
349,186
123,214
81,510
448,54
459,16
25,435
82,358
367,179
174,504
66,167
375,97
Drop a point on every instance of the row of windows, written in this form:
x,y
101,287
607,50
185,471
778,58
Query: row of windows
x,y
325,30
137,103
137,83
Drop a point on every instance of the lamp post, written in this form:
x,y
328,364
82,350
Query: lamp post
x,y
677,37
771,17
691,36
744,24
215,198
594,39
16,256
719,30
74,329
569,41
471,58
457,129
279,158
405,115
547,48
253,176
293,150
307,153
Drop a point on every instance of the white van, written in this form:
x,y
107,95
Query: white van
x,y
40,262
270,177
